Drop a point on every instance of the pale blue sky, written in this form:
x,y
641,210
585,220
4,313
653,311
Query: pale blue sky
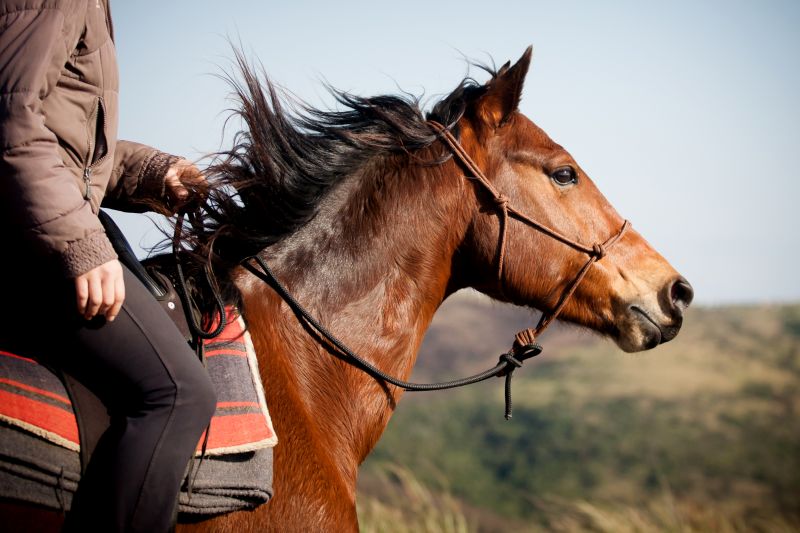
x,y
684,113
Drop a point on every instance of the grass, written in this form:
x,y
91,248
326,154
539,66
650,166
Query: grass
x,y
423,511
406,505
700,435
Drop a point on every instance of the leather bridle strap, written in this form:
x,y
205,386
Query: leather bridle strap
x,y
506,365
525,345
505,211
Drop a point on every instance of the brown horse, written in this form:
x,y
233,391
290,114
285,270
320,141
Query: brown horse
x,y
371,223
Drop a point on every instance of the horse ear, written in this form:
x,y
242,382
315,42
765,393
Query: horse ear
x,y
504,91
502,70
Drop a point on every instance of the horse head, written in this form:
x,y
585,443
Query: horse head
x,y
632,294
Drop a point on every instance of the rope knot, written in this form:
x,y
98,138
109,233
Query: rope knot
x,y
511,360
501,201
598,251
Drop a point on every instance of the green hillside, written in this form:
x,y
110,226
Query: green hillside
x,y
701,434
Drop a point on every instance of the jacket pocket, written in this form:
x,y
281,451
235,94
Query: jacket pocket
x,y
100,140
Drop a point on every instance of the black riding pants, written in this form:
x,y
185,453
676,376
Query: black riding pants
x,y
158,395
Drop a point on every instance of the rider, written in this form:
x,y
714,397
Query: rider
x,y
60,161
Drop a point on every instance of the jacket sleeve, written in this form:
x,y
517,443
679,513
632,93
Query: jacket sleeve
x,y
137,180
38,194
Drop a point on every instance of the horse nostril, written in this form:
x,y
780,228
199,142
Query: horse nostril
x,y
681,294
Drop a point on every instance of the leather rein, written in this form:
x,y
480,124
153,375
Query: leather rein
x,y
525,345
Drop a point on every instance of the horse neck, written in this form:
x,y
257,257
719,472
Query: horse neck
x,y
373,266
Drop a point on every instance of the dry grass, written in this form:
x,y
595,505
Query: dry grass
x,y
400,503
421,510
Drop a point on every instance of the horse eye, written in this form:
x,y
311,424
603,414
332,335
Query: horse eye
x,y
564,176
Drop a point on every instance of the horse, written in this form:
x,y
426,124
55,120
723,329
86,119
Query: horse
x,y
369,219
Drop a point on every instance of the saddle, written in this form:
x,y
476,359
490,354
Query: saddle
x,y
51,422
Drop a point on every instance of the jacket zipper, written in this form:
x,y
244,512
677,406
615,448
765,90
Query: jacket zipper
x,y
87,172
87,181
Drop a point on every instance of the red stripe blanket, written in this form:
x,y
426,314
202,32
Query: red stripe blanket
x,y
34,404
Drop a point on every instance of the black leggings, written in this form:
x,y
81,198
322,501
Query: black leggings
x,y
159,397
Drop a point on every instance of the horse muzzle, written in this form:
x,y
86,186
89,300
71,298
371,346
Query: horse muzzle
x,y
648,322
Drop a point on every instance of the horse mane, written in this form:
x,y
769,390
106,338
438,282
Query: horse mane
x,y
289,155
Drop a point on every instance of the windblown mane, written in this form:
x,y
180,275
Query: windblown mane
x,y
290,155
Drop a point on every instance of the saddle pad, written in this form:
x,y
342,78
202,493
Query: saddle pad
x,y
34,399
39,438
38,471
241,422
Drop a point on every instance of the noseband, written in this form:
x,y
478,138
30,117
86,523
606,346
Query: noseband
x,y
525,345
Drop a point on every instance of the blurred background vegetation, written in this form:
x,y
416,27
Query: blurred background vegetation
x,y
701,434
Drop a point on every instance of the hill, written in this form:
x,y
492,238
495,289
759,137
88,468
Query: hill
x,y
699,434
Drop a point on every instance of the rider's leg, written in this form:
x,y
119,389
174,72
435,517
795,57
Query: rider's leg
x,y
157,392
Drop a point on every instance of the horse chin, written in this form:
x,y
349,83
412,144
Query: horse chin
x,y
640,331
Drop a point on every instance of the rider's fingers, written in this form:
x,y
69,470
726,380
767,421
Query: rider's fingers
x,y
82,293
95,297
108,297
119,297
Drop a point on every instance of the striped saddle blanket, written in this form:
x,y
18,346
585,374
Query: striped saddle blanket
x,y
39,439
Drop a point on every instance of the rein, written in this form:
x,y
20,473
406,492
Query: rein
x,y
525,345
198,333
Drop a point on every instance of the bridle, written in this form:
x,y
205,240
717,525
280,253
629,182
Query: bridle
x,y
525,345
595,252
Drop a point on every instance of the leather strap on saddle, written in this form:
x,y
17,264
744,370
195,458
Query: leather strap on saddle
x,y
158,278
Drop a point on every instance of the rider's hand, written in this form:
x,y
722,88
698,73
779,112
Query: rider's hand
x,y
101,291
182,177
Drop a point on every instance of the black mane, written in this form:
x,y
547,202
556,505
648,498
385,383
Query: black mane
x,y
289,156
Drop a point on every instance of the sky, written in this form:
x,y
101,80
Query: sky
x,y
685,114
